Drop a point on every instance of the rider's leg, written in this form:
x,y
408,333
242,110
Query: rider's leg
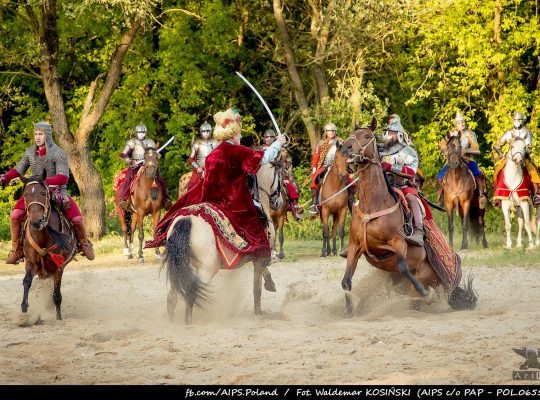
x,y
480,182
417,238
167,203
15,224
440,188
74,215
535,179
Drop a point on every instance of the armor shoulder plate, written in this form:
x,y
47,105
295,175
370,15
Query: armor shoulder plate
x,y
131,143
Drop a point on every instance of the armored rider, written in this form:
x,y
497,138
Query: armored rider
x,y
399,157
322,159
289,179
133,154
199,151
519,130
45,156
469,147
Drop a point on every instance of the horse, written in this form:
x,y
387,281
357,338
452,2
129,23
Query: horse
x,y
192,259
49,241
376,222
513,178
461,194
334,199
146,199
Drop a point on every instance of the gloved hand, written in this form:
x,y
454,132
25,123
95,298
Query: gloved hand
x,y
133,163
282,139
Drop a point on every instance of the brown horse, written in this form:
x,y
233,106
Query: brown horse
x,y
146,199
49,242
334,199
461,194
279,217
375,228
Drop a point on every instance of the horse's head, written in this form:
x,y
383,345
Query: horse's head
x,y
361,146
453,152
37,202
151,161
517,151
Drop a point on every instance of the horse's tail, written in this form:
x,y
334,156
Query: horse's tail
x,y
464,298
180,273
475,213
127,220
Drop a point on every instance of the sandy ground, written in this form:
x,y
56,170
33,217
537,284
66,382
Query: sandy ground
x,y
116,329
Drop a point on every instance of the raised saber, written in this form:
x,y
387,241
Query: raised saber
x,y
263,103
166,144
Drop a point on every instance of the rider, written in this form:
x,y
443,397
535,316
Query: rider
x,y
519,130
289,179
199,151
400,158
323,157
469,146
44,156
133,154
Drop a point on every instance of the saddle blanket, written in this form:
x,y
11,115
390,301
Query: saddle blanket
x,y
503,192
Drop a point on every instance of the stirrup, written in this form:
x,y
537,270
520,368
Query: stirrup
x,y
536,199
482,201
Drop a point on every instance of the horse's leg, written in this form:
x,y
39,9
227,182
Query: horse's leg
x,y
335,226
341,227
505,206
121,216
400,248
326,233
27,283
257,286
465,209
481,221
450,215
141,238
281,237
427,277
519,216
353,255
134,222
172,300
155,220
57,296
527,218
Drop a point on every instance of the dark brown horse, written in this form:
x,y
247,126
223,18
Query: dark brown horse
x,y
375,228
334,202
49,242
146,199
461,194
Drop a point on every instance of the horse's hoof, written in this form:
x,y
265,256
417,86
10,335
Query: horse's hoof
x,y
127,253
130,257
430,298
23,319
281,256
258,312
346,284
270,285
141,260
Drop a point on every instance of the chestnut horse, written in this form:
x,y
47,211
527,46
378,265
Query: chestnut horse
x,y
146,199
334,199
49,242
376,222
461,194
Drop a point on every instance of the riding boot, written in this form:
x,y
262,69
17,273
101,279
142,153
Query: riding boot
x,y
417,237
314,210
440,192
85,247
480,182
536,194
16,253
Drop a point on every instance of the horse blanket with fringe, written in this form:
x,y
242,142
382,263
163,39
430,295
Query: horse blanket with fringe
x,y
503,192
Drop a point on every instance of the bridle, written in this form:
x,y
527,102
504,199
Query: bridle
x,y
512,154
360,157
457,154
148,164
44,220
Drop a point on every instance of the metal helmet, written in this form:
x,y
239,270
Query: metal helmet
x,y
206,130
393,117
140,130
269,133
45,127
519,120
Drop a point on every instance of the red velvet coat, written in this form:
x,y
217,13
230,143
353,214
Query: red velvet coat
x,y
224,186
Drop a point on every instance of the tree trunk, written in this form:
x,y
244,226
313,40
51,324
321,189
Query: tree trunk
x,y
294,75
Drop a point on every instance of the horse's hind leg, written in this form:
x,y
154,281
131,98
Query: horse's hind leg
x,y
257,286
281,238
172,300
505,205
141,239
403,267
450,215
57,296
465,225
427,277
27,283
155,220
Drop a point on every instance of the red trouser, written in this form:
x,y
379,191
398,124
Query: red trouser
x,y
19,211
293,194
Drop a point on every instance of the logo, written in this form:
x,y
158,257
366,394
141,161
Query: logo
x,y
530,368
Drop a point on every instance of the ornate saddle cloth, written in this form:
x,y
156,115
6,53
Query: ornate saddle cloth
x,y
503,192
229,244
121,176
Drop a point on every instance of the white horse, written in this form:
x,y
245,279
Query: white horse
x,y
513,176
192,258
